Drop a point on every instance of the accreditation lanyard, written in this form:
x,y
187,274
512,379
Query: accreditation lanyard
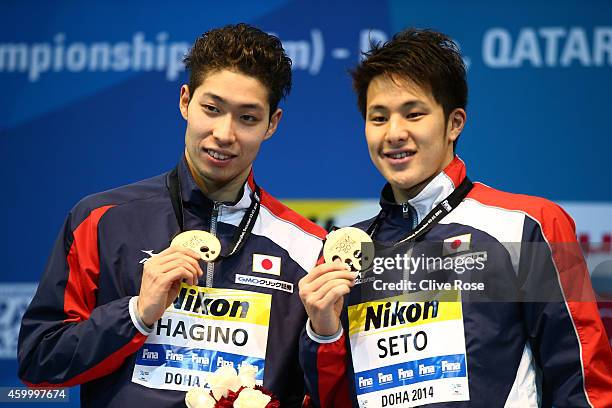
x,y
432,218
246,224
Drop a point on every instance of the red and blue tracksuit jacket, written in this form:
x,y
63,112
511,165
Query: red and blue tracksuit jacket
x,y
532,353
80,328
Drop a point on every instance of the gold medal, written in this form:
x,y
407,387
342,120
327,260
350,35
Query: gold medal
x,y
202,242
352,246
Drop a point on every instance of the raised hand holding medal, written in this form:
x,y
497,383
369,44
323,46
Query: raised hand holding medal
x,y
346,251
163,273
161,280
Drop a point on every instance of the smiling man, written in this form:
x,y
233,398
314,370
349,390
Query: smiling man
x,y
520,328
136,320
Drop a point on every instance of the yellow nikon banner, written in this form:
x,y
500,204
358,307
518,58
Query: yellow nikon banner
x,y
228,305
397,313
409,350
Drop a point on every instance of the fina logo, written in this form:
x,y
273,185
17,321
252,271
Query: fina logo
x,y
366,382
14,300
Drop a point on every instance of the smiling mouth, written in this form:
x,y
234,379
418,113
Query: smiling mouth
x,y
400,155
218,156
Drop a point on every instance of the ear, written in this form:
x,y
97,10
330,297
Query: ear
x,y
456,122
184,101
273,125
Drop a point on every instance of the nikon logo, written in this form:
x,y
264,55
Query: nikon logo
x,y
193,301
388,315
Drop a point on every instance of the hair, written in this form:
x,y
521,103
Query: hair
x,y
428,58
245,49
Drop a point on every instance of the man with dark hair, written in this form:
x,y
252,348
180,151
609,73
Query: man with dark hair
x,y
519,329
153,285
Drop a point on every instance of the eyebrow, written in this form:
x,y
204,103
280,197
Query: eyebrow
x,y
408,104
217,98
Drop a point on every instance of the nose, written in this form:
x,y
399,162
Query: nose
x,y
397,132
223,131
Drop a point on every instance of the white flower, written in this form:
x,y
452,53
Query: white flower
x,y
250,398
223,380
199,398
246,374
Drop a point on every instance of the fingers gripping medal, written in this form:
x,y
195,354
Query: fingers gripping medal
x,y
202,242
352,246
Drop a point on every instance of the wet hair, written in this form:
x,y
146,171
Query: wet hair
x,y
244,49
428,58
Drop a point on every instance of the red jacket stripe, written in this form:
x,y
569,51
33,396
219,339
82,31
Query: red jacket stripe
x,y
108,365
456,170
331,360
83,268
287,214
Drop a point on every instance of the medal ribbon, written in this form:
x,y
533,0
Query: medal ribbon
x,y
432,218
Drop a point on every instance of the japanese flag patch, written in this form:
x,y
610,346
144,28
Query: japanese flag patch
x,y
267,264
453,245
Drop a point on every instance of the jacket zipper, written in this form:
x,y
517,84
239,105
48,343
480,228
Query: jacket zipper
x,y
210,266
409,213
405,210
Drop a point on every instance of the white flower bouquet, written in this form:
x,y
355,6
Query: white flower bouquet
x,y
231,389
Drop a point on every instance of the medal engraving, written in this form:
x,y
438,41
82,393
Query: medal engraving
x,y
350,245
202,242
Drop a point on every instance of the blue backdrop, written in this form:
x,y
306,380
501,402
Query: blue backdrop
x,y
89,101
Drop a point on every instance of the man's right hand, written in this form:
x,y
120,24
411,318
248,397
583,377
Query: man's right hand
x,y
161,281
322,292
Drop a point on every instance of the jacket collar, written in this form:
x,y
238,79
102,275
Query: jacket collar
x,y
194,197
437,190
